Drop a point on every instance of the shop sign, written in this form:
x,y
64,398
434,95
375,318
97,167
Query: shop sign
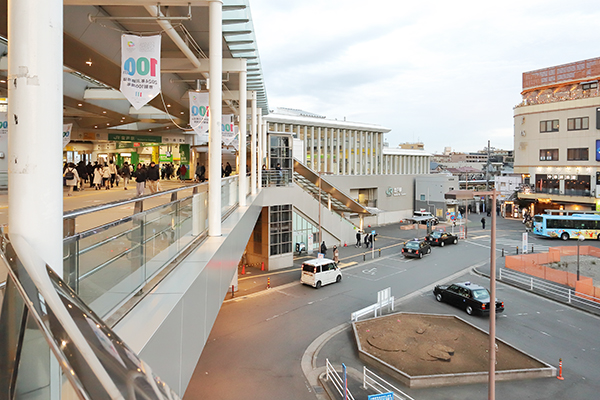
x,y
140,68
199,114
165,158
184,153
66,137
397,191
114,137
597,150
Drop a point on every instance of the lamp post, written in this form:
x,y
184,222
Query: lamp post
x,y
579,239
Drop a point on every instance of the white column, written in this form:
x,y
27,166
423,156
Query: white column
x,y
338,148
312,148
259,149
243,178
253,148
319,145
343,155
35,92
305,142
215,99
356,155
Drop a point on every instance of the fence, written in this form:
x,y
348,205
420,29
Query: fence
x,y
557,292
337,381
384,299
372,380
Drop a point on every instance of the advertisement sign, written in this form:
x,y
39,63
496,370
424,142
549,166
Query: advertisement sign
x,y
199,114
597,150
113,137
4,124
67,134
227,129
311,243
184,153
140,68
525,242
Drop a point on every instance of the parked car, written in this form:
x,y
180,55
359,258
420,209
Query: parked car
x,y
439,238
416,248
422,217
472,298
319,272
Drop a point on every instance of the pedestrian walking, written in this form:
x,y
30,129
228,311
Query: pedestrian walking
x,y
126,174
140,179
366,240
336,254
152,176
358,237
482,222
106,176
323,249
97,177
71,177
113,173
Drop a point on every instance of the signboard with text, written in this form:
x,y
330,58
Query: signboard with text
x,y
140,68
199,114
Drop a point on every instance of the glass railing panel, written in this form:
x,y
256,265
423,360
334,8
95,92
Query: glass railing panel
x,y
161,234
185,217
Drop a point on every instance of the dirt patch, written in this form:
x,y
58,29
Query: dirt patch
x,y
419,344
589,266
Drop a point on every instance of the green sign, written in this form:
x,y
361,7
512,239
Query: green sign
x,y
134,138
184,153
165,158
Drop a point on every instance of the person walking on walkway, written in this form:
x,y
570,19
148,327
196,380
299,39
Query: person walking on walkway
x,y
126,174
482,222
152,176
140,179
358,237
336,254
323,249
98,177
71,177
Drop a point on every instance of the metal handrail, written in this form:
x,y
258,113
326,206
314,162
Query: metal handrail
x,y
380,385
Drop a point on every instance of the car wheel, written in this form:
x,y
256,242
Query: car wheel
x,y
564,236
469,310
455,241
438,297
420,255
442,244
338,279
429,250
598,237
318,285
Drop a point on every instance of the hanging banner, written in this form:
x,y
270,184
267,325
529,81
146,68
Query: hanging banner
x,y
199,115
140,68
67,134
4,123
227,129
236,140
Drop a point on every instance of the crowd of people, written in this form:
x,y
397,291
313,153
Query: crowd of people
x,y
107,175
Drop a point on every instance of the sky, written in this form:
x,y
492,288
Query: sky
x,y
445,73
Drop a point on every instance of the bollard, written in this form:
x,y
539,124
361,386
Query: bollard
x,y
502,252
262,266
532,248
269,283
232,291
560,370
379,252
364,257
517,249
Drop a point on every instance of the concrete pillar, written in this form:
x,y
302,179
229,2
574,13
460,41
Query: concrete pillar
x,y
215,100
243,178
355,148
319,144
253,148
35,112
344,157
260,147
312,148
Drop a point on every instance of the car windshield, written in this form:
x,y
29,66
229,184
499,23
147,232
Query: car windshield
x,y
308,268
436,235
481,294
412,245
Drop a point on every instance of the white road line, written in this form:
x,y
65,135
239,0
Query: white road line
x,y
544,333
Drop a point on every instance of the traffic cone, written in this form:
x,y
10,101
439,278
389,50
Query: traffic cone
x,y
262,266
243,269
560,370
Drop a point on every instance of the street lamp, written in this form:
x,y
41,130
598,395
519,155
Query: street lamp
x,y
579,239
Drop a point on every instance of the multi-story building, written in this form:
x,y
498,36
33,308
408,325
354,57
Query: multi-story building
x,y
556,135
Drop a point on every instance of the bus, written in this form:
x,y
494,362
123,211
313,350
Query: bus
x,y
567,226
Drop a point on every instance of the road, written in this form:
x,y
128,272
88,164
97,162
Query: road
x,y
257,344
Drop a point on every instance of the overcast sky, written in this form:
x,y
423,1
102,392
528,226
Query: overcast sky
x,y
447,73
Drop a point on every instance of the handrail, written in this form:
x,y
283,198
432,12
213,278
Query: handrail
x,y
97,363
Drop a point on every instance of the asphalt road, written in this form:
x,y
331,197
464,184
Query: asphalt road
x,y
258,341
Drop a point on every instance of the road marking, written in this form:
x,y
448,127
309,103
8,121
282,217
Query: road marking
x,y
371,271
480,237
544,333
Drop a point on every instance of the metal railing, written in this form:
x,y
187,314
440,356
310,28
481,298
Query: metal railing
x,y
557,292
276,177
338,382
108,264
380,385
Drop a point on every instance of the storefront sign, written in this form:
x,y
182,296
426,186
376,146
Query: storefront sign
x,y
140,68
66,134
397,191
184,153
134,138
597,150
162,158
199,115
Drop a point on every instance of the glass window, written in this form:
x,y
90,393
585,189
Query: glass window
x,y
578,154
578,124
281,229
548,154
549,126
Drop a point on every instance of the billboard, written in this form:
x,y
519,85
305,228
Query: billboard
x,y
577,71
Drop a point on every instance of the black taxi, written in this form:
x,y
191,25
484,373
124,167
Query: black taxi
x,y
472,298
416,248
440,238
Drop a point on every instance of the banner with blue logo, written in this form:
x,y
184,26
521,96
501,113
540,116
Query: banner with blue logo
x,y
140,68
199,114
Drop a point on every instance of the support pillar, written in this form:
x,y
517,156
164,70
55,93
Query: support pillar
x,y
243,178
253,148
259,149
215,94
35,118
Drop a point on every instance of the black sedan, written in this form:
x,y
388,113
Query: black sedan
x,y
416,248
472,298
438,238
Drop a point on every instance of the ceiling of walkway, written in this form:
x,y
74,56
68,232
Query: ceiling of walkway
x,y
92,56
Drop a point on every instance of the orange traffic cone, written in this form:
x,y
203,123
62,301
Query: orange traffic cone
x,y
262,267
560,370
243,269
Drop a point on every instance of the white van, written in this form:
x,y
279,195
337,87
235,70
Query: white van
x,y
423,216
319,272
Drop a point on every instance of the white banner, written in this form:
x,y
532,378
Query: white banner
x,y
3,123
67,134
236,140
199,115
227,130
140,68
525,243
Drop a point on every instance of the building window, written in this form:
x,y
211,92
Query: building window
x,y
578,124
281,229
589,85
578,154
422,197
549,155
549,126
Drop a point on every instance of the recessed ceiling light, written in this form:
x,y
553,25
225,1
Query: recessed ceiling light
x,y
96,126
181,112
168,105
103,112
80,105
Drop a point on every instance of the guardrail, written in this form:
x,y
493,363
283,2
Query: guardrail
x,y
380,385
384,299
557,292
336,380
